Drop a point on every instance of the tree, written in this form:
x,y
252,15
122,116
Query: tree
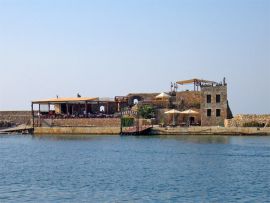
x,y
146,111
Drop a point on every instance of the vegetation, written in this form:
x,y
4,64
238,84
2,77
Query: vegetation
x,y
146,111
255,124
127,121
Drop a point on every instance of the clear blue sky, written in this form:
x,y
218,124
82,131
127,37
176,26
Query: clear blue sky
x,y
108,48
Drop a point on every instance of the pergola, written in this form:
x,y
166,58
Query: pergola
x,y
197,82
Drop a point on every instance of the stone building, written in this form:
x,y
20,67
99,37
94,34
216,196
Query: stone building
x,y
212,99
134,98
208,99
214,105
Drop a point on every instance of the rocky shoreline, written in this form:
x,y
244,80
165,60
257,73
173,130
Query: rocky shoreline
x,y
6,124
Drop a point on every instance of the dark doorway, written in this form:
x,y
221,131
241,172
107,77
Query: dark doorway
x,y
191,120
64,108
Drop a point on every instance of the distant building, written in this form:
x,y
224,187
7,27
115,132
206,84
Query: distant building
x,y
78,106
207,100
214,105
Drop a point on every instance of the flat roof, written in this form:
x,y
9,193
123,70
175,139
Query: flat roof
x,y
65,100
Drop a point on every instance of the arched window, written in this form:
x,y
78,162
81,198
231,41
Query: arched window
x,y
102,108
135,101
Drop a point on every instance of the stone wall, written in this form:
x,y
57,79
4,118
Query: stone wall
x,y
241,119
78,130
87,122
214,120
16,117
187,100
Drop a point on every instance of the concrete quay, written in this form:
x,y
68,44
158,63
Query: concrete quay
x,y
212,130
78,130
231,131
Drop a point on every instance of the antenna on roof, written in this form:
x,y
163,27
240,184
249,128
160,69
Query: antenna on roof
x,y
78,95
224,81
175,87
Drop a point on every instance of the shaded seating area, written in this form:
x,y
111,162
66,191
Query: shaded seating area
x,y
78,107
185,118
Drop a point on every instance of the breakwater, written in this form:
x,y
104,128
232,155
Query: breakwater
x,y
6,124
16,117
242,120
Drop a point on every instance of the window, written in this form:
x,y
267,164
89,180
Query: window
x,y
218,112
208,98
218,98
209,112
135,101
102,108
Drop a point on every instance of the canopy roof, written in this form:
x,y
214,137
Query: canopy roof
x,y
65,100
189,111
163,95
195,80
173,111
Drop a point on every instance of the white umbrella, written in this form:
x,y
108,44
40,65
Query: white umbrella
x,y
173,112
163,95
189,112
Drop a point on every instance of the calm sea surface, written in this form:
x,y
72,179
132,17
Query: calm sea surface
x,y
134,169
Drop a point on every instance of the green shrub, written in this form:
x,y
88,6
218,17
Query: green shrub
x,y
127,121
147,111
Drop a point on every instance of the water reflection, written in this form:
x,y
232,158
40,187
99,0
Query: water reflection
x,y
71,137
199,139
191,139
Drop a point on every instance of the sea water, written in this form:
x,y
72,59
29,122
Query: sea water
x,y
134,169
